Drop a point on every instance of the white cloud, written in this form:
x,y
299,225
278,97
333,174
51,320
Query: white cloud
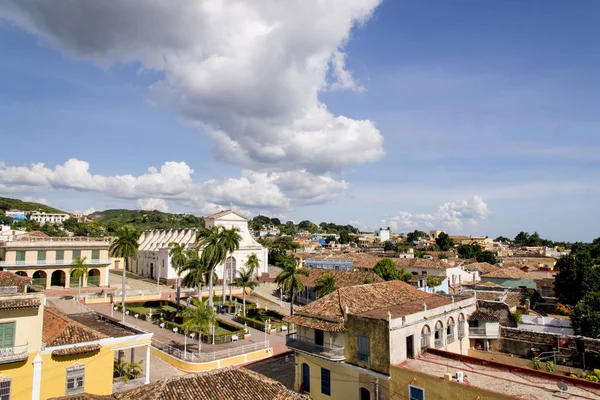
x,y
152,204
40,200
173,181
89,211
248,71
450,215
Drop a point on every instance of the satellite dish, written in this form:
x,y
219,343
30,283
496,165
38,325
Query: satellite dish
x,y
562,386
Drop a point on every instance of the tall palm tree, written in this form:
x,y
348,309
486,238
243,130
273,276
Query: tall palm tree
x,y
199,318
79,269
325,284
244,281
178,260
212,254
230,240
125,246
196,272
289,279
252,264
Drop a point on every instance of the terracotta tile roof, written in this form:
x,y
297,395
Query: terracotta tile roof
x,y
60,330
315,323
489,296
482,267
421,263
485,284
483,316
225,384
358,300
77,350
14,304
36,234
411,307
342,278
10,279
514,299
508,273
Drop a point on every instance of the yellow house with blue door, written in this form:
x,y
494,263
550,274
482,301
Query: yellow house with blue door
x,y
45,353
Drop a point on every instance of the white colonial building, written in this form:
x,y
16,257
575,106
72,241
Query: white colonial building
x,y
153,258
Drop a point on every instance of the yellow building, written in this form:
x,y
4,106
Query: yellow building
x,y
45,353
346,341
48,260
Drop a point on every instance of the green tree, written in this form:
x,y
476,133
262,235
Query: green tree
x,y
585,318
252,264
230,240
244,281
213,253
522,238
178,261
325,284
199,318
124,246
502,239
344,237
576,270
444,242
289,279
79,270
415,235
487,256
468,250
196,271
389,246
386,269
433,282
5,220
366,281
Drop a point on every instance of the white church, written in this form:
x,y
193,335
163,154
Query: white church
x,y
154,262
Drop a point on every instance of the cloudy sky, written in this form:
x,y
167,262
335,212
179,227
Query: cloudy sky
x,y
473,117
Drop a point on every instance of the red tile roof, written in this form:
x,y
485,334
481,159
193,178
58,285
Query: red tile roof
x,y
60,330
10,279
508,273
342,278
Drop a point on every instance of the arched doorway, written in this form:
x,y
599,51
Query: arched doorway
x,y
439,334
305,377
39,278
425,338
58,278
21,273
450,330
364,394
230,267
94,277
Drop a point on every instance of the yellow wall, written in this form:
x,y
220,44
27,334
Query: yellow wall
x,y
98,373
345,380
28,322
31,254
435,388
21,374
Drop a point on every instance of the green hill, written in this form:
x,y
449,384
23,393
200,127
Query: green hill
x,y
143,220
7,203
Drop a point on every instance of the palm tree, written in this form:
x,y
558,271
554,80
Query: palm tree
x,y
79,269
196,272
289,279
325,284
230,240
252,264
245,281
212,254
178,260
125,246
199,318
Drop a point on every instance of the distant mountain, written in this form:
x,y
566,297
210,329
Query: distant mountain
x,y
7,203
143,220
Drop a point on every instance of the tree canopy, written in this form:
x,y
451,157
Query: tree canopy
x,y
416,235
444,242
386,269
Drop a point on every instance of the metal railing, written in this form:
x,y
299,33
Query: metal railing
x,y
478,331
308,345
208,356
42,263
450,337
425,340
14,354
439,343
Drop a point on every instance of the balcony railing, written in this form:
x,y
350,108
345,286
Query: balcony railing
x,y
44,263
450,338
477,332
301,343
13,354
483,332
439,343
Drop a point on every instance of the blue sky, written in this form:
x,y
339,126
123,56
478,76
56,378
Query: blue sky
x,y
489,108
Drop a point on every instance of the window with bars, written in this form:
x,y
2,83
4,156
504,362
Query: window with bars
x,y
41,255
75,380
416,393
5,386
60,255
76,255
364,349
20,256
95,254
